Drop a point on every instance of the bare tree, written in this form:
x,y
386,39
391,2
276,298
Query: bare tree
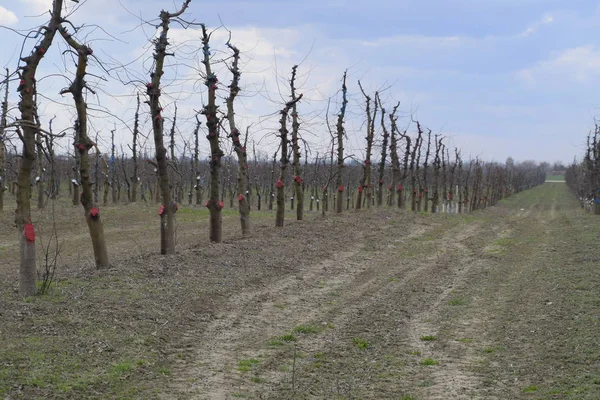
x,y
284,161
298,182
136,129
239,148
168,207
365,182
384,145
214,203
82,146
394,155
3,115
27,107
340,132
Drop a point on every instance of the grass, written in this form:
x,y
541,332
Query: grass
x,y
429,362
307,329
428,338
493,349
361,343
458,301
530,389
247,365
281,340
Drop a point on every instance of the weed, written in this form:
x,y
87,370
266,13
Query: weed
x,y
429,361
307,329
457,301
281,340
122,368
530,389
493,349
361,343
247,365
428,338
288,337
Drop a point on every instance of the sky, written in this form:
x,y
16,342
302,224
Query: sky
x,y
496,78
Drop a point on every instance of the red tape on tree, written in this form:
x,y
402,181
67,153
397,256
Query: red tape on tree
x,y
240,197
279,184
94,212
341,188
161,209
29,233
297,179
360,189
207,204
220,205
399,188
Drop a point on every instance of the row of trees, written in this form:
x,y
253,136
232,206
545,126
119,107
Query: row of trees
x,y
414,169
583,177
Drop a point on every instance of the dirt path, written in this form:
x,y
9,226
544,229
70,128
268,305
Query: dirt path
x,y
380,310
380,304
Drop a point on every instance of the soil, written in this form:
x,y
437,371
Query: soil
x,y
376,304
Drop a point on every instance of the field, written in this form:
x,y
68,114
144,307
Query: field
x,y
556,178
376,304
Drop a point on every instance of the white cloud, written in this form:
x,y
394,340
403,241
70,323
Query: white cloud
x,y
37,6
575,65
533,28
7,17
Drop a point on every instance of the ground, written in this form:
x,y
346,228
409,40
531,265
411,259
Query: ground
x,y
377,304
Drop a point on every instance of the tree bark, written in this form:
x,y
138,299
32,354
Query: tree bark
x,y
214,204
168,207
284,161
340,147
27,106
240,150
82,146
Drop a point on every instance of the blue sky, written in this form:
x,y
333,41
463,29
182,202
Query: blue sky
x,y
499,78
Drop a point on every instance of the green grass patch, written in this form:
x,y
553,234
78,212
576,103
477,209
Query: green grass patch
x,y
281,340
458,301
307,329
493,349
429,361
361,343
428,338
530,389
247,365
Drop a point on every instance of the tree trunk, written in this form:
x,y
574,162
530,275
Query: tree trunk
x,y
134,178
340,148
214,204
168,208
240,150
284,161
82,146
27,268
3,114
